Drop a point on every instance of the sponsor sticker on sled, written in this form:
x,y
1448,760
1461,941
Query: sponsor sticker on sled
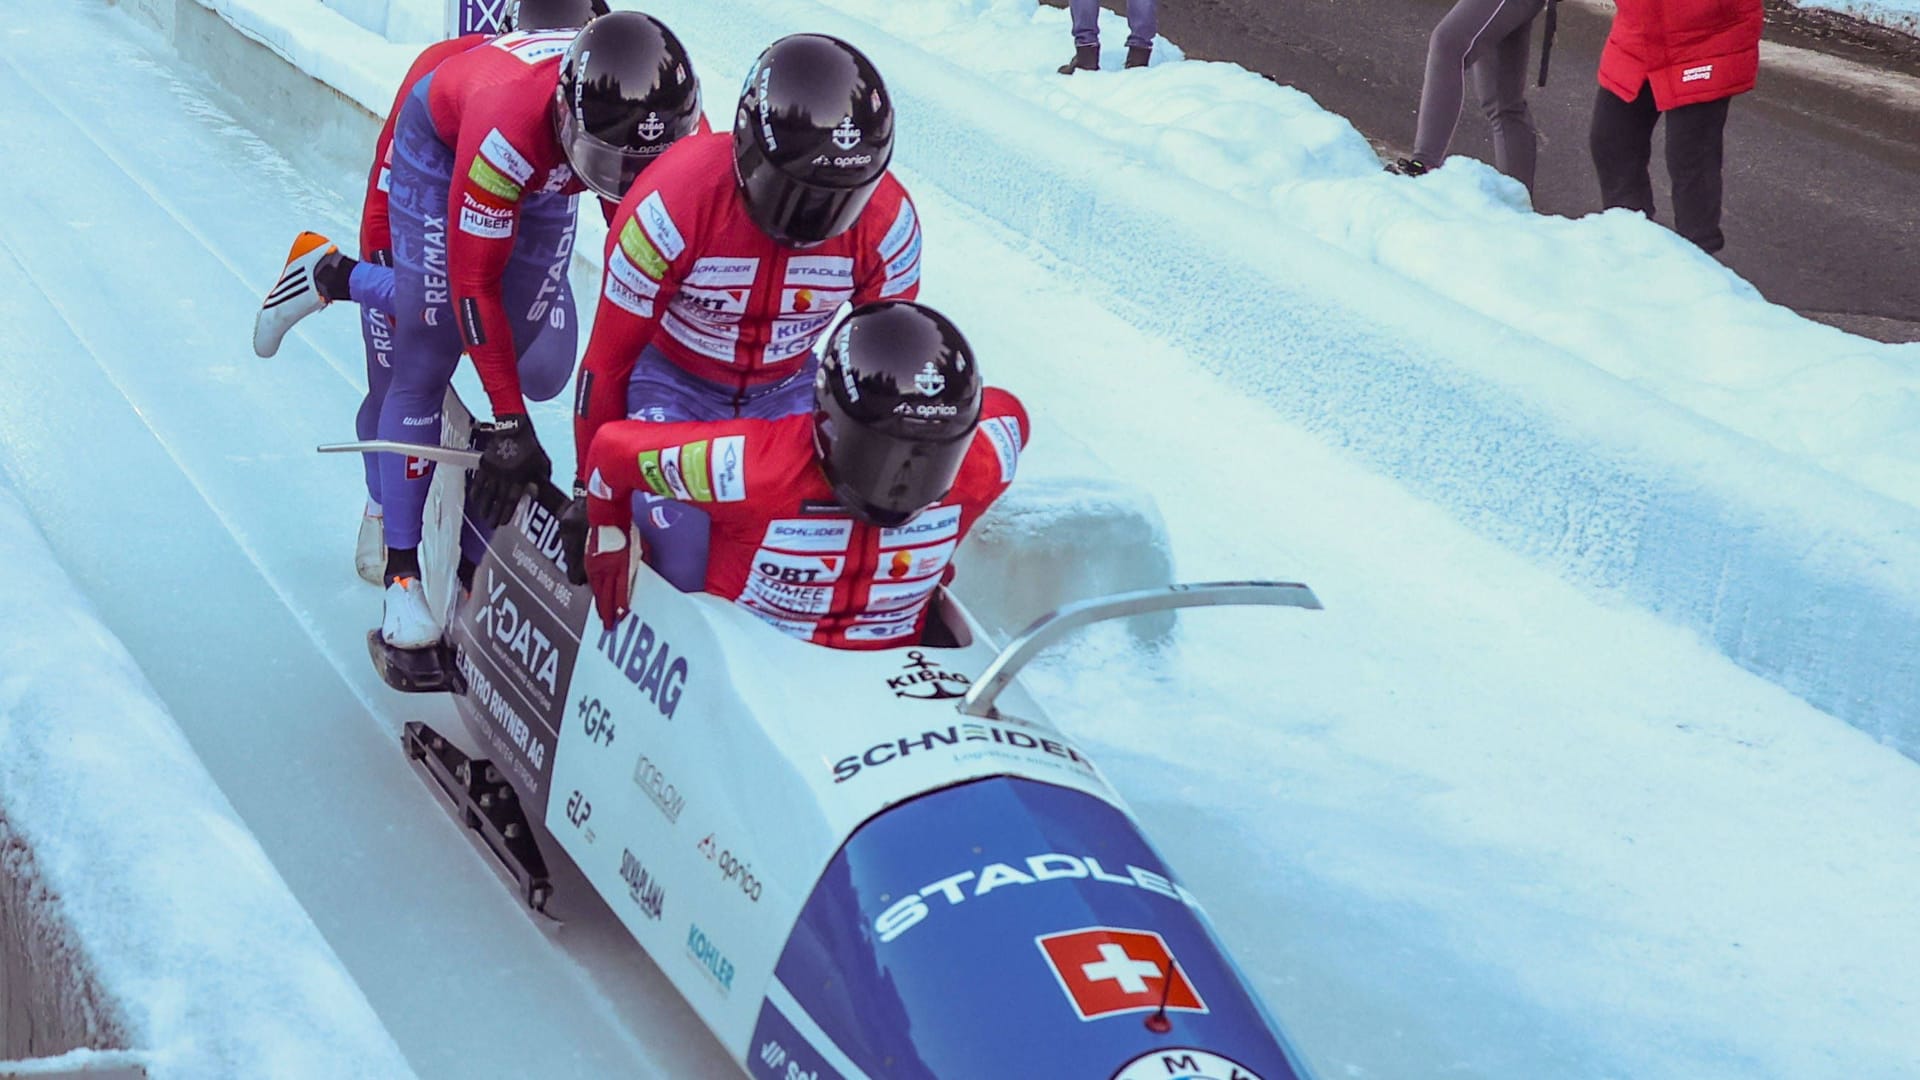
x,y
708,958
648,661
1107,971
916,906
648,777
925,680
964,742
1184,1063
642,889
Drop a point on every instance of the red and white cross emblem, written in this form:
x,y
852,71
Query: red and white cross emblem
x,y
418,468
1106,971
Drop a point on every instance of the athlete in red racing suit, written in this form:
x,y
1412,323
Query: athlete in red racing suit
x,y
690,274
834,527
731,256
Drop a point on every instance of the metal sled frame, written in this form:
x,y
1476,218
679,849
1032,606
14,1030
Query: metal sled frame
x,y
485,803
1050,628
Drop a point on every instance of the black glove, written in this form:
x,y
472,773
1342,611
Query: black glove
x,y
573,536
510,461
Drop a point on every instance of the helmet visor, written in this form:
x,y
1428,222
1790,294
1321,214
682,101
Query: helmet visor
x,y
797,213
886,479
607,169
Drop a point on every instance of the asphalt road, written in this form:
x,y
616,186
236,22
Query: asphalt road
x,y
1823,166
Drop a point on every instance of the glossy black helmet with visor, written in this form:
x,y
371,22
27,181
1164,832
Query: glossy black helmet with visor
x,y
812,138
627,92
551,14
895,406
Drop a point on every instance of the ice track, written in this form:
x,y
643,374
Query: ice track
x,y
1467,822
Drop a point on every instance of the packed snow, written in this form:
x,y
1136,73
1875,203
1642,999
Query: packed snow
x,y
1469,820
209,965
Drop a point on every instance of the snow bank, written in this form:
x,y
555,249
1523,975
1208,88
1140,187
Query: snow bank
x,y
1722,483
1901,15
1594,393
136,912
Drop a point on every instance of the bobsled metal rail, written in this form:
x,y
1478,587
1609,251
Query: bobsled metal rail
x,y
466,459
1052,627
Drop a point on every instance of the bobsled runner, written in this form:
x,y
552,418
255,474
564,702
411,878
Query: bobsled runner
x,y
875,865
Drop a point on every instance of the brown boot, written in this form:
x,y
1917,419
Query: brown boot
x,y
1085,58
1138,55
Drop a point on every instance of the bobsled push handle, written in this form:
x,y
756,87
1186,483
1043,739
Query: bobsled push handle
x,y
1055,625
545,492
446,455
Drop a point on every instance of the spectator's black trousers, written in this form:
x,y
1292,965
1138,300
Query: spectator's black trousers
x,y
1622,144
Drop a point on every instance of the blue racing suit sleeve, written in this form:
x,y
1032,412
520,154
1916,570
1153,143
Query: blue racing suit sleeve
x,y
371,285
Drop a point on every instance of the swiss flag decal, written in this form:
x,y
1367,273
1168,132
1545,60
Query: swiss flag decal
x,y
418,468
1106,971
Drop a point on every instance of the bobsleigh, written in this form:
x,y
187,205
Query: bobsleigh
x,y
852,865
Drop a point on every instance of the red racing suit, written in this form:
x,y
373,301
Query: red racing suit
x,y
782,547
375,233
736,307
1692,51
493,106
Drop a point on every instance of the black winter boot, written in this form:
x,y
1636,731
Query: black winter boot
x,y
1408,167
1085,58
1138,55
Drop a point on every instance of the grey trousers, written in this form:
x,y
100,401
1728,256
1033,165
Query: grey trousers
x,y
1492,39
1143,21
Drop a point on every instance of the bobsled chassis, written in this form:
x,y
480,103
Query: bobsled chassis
x,y
883,864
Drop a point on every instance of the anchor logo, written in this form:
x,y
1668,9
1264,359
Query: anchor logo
x,y
653,127
846,136
929,381
925,674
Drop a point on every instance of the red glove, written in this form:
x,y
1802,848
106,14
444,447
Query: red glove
x,y
609,572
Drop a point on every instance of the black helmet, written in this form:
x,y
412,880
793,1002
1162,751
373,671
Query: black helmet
x,y
626,93
895,406
812,138
550,14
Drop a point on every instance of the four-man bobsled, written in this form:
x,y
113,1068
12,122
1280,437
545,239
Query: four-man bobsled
x,y
882,864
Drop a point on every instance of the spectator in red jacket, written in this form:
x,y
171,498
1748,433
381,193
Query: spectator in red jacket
x,y
1684,59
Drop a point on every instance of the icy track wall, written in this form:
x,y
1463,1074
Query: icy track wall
x,y
50,1002
1798,576
141,927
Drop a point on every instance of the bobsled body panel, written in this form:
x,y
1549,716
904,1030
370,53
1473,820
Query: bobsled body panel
x,y
841,873
1004,928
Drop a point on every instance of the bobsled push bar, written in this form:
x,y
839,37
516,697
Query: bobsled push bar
x,y
1053,626
447,455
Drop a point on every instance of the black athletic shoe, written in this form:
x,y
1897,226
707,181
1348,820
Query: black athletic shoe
x,y
1407,166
